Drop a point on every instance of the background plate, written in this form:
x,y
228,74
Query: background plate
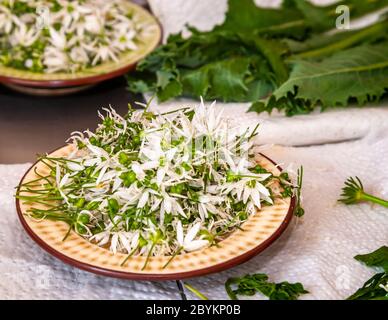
x,y
259,231
108,70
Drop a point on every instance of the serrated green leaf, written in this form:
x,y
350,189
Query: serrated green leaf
x,y
247,57
360,73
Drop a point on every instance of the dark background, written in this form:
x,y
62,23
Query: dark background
x,y
32,125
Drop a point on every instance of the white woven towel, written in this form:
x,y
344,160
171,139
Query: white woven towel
x,y
319,250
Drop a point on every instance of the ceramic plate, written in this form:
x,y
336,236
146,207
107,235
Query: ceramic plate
x,y
257,233
148,42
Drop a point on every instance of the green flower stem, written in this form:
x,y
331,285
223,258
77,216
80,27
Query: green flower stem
x,y
368,197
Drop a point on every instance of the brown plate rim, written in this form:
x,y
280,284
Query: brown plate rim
x,y
156,276
84,80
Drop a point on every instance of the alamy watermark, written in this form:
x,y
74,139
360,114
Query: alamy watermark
x,y
343,20
43,18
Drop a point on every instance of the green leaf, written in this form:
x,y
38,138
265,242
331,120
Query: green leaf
x,y
249,285
254,52
228,79
273,52
360,73
323,18
170,90
167,81
196,82
378,258
222,79
245,16
372,289
324,45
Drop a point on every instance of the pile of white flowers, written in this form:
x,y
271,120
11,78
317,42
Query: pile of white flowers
x,y
65,36
160,184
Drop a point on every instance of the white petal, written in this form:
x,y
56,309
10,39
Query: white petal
x,y
167,204
116,184
255,196
179,209
150,165
202,211
196,245
179,232
101,175
98,151
124,241
160,175
262,189
191,234
113,243
75,166
246,194
64,180
143,200
135,240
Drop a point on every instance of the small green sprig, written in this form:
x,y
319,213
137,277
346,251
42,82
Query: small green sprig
x,y
376,288
251,284
299,211
353,192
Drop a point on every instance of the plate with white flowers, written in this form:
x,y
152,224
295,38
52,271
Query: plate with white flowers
x,y
66,44
157,196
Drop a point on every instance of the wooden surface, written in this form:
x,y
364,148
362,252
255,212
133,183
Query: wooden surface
x,y
32,125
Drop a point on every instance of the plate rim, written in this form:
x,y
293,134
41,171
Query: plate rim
x,y
87,80
222,266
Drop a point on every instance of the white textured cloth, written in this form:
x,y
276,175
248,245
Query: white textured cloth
x,y
28,272
317,250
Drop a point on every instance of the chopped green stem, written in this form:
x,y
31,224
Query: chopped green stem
x,y
68,232
196,292
129,255
33,198
299,211
43,177
41,202
64,160
254,132
148,256
35,180
173,111
173,256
